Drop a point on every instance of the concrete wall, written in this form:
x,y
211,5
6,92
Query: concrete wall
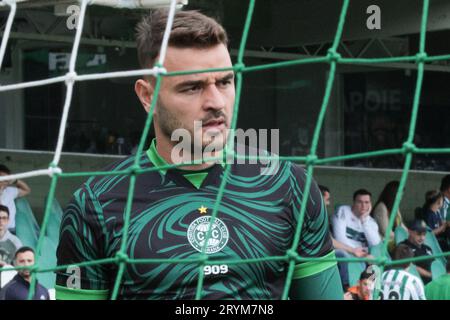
x,y
342,181
21,161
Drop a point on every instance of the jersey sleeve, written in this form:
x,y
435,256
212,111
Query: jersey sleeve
x,y
417,290
82,240
315,240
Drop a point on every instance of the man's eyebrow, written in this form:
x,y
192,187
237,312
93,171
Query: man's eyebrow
x,y
227,77
189,83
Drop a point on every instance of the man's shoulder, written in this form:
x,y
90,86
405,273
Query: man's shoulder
x,y
11,191
371,220
96,185
408,243
13,238
427,249
380,209
415,281
41,290
343,212
255,161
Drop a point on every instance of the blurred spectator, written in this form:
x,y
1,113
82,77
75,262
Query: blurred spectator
x,y
433,203
9,243
18,287
354,231
397,283
342,250
326,195
353,226
445,190
416,242
363,290
445,210
439,289
9,191
383,209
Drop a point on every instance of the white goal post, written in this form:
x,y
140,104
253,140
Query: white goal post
x,y
127,4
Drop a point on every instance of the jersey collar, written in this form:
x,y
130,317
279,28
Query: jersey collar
x,y
185,177
159,161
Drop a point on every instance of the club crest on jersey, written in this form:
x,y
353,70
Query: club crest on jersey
x,y
198,230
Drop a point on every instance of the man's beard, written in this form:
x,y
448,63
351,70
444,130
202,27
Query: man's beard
x,y
168,123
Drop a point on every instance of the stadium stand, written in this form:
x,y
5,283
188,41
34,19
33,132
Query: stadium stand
x,y
400,235
432,242
27,228
437,269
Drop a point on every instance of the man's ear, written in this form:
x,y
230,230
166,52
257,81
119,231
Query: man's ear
x,y
144,91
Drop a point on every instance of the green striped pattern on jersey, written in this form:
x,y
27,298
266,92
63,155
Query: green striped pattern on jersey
x,y
400,285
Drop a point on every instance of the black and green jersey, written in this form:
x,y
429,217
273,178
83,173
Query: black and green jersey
x,y
170,217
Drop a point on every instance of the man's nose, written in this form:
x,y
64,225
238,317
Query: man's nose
x,y
213,98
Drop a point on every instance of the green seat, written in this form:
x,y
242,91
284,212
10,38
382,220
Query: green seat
x,y
400,234
54,221
378,251
413,271
354,272
432,242
27,228
47,259
55,208
437,269
23,207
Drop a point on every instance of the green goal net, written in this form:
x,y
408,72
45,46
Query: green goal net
x,y
311,160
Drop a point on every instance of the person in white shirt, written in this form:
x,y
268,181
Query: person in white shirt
x,y
445,190
397,283
9,191
353,225
354,230
445,209
9,243
341,250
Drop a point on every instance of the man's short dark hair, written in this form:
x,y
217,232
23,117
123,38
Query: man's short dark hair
x,y
366,274
189,29
361,192
22,250
445,183
4,169
402,251
323,189
4,209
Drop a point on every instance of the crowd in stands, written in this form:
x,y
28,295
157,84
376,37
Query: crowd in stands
x,y
361,230
12,252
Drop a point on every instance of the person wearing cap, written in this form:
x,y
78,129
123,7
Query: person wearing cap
x,y
417,230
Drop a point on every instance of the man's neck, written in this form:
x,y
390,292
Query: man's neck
x,y
3,233
415,244
164,149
